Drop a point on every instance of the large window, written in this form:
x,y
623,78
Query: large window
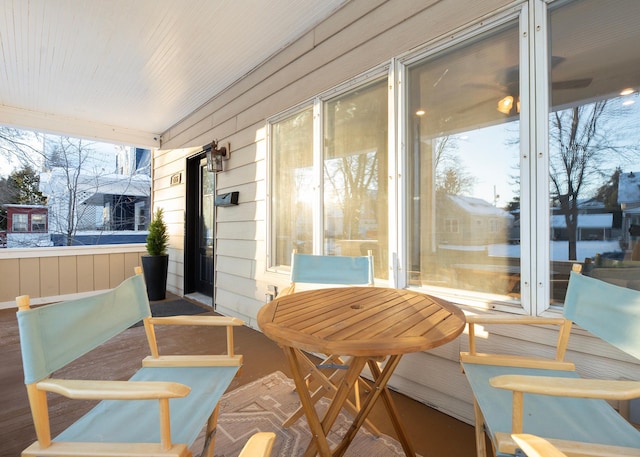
x,y
334,200
462,120
518,156
594,141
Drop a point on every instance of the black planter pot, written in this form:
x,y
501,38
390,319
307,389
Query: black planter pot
x,y
155,269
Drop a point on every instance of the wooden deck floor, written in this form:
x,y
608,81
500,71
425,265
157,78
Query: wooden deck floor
x,y
432,433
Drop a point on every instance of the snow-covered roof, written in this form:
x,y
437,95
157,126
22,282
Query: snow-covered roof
x,y
478,206
91,186
16,205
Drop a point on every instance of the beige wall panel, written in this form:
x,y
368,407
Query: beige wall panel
x,y
169,194
101,272
249,192
49,277
86,273
30,277
238,231
241,175
175,203
447,403
131,261
165,157
244,268
235,296
249,211
240,157
437,373
164,174
238,248
9,279
116,269
351,12
68,275
176,268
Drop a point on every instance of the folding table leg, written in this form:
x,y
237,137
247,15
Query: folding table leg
x,y
329,383
393,411
318,438
379,388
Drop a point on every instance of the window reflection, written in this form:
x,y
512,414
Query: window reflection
x,y
594,142
355,175
292,191
464,107
353,170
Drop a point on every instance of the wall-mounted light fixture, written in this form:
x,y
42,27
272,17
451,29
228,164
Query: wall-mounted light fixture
x,y
215,156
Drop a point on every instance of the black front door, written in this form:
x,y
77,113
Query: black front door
x,y
200,228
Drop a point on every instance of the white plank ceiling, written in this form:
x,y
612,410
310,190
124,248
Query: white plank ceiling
x,y
127,70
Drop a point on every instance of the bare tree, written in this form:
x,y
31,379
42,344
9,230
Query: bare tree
x,y
73,172
21,147
451,177
582,139
352,178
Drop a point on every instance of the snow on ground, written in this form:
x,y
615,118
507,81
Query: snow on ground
x,y
560,249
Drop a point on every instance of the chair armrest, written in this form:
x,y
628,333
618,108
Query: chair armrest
x,y
557,362
569,387
259,445
534,446
213,321
114,390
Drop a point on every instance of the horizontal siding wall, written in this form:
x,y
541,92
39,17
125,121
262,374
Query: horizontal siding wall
x,y
53,274
363,35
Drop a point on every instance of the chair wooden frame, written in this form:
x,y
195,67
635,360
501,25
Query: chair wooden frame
x,y
534,446
185,388
259,445
545,396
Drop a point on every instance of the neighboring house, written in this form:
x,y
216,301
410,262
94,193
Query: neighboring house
x,y
629,200
27,226
108,209
591,227
472,222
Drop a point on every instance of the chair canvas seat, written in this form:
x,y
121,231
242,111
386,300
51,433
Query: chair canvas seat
x,y
597,417
606,311
118,421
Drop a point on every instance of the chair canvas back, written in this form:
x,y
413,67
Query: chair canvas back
x,y
51,336
608,311
331,269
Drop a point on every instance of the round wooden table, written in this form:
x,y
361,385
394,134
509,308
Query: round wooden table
x,y
367,324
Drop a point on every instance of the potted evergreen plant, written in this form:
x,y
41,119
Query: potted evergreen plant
x,y
155,264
